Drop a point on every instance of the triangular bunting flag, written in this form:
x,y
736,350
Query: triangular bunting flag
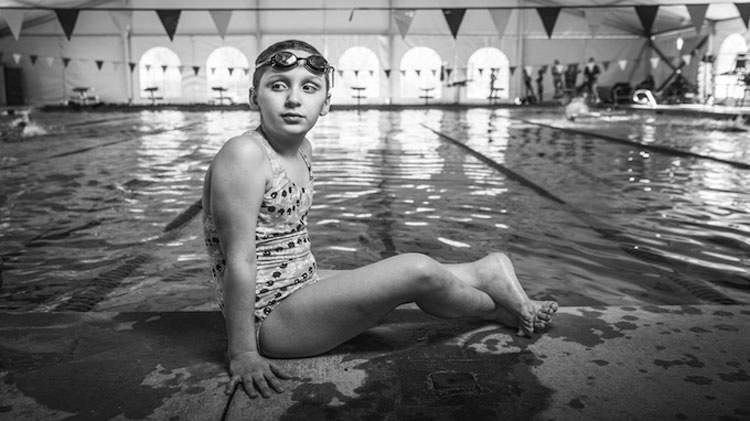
x,y
605,65
654,62
246,70
148,67
213,70
372,73
403,73
16,58
132,66
500,18
99,64
686,58
387,73
231,70
622,64
164,68
122,19
419,72
196,69
594,18
221,20
180,69
50,60
67,18
434,72
697,15
66,61
528,69
647,15
744,9
169,19
454,17
481,71
512,70
33,58
403,18
341,73
356,73
14,19
549,18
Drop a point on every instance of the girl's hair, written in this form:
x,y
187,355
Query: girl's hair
x,y
290,44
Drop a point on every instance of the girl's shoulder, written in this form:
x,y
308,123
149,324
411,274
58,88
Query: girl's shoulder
x,y
243,151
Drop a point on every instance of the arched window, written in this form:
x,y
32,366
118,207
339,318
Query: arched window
x,y
420,73
727,77
488,67
160,74
227,75
358,68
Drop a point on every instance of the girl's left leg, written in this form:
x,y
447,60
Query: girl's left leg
x,y
346,303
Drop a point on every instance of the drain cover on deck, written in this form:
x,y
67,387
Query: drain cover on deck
x,y
452,381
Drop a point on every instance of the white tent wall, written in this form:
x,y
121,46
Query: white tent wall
x,y
334,30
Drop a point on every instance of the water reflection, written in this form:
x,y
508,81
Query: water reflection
x,y
639,225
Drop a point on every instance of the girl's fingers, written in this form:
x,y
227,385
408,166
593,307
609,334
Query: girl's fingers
x,y
280,372
274,383
262,385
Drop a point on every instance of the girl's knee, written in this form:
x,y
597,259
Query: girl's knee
x,y
424,272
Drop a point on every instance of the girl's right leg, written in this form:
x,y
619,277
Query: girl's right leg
x,y
345,304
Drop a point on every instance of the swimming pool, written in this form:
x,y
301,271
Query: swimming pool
x,y
627,208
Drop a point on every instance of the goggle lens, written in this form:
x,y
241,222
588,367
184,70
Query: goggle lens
x,y
287,60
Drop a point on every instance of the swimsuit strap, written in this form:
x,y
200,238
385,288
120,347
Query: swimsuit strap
x,y
271,153
275,165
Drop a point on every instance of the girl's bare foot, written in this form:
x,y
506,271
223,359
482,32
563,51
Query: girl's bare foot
x,y
497,278
544,312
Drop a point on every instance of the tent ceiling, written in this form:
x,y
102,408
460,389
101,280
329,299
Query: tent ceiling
x,y
620,14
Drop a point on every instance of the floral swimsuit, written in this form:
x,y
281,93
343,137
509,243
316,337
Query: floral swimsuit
x,y
282,245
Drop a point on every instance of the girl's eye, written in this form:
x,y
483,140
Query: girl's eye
x,y
310,88
277,86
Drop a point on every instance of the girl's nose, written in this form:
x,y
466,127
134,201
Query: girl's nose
x,y
292,98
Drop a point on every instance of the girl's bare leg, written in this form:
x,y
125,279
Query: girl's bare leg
x,y
346,303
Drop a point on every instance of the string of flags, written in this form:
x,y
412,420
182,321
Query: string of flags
x,y
403,18
622,64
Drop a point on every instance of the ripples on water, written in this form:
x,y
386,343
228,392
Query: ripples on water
x,y
83,211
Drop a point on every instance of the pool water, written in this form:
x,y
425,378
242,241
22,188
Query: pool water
x,y
98,210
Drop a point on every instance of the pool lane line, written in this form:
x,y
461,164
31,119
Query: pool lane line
x,y
615,139
87,297
96,290
185,216
101,145
698,288
91,122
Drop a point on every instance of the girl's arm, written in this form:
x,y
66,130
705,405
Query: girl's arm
x,y
238,179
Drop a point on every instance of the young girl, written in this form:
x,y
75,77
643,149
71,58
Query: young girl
x,y
276,303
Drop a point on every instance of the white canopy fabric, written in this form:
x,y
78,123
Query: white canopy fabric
x,y
100,44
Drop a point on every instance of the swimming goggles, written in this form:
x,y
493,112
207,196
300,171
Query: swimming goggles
x,y
284,60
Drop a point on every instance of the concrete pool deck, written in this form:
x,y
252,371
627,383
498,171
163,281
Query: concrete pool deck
x,y
649,362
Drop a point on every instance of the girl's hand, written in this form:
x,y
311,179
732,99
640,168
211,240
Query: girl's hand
x,y
256,374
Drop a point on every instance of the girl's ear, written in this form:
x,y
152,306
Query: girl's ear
x,y
253,99
326,106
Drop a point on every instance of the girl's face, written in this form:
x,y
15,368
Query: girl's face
x,y
290,101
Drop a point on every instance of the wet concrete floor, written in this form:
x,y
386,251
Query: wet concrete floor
x,y
652,362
